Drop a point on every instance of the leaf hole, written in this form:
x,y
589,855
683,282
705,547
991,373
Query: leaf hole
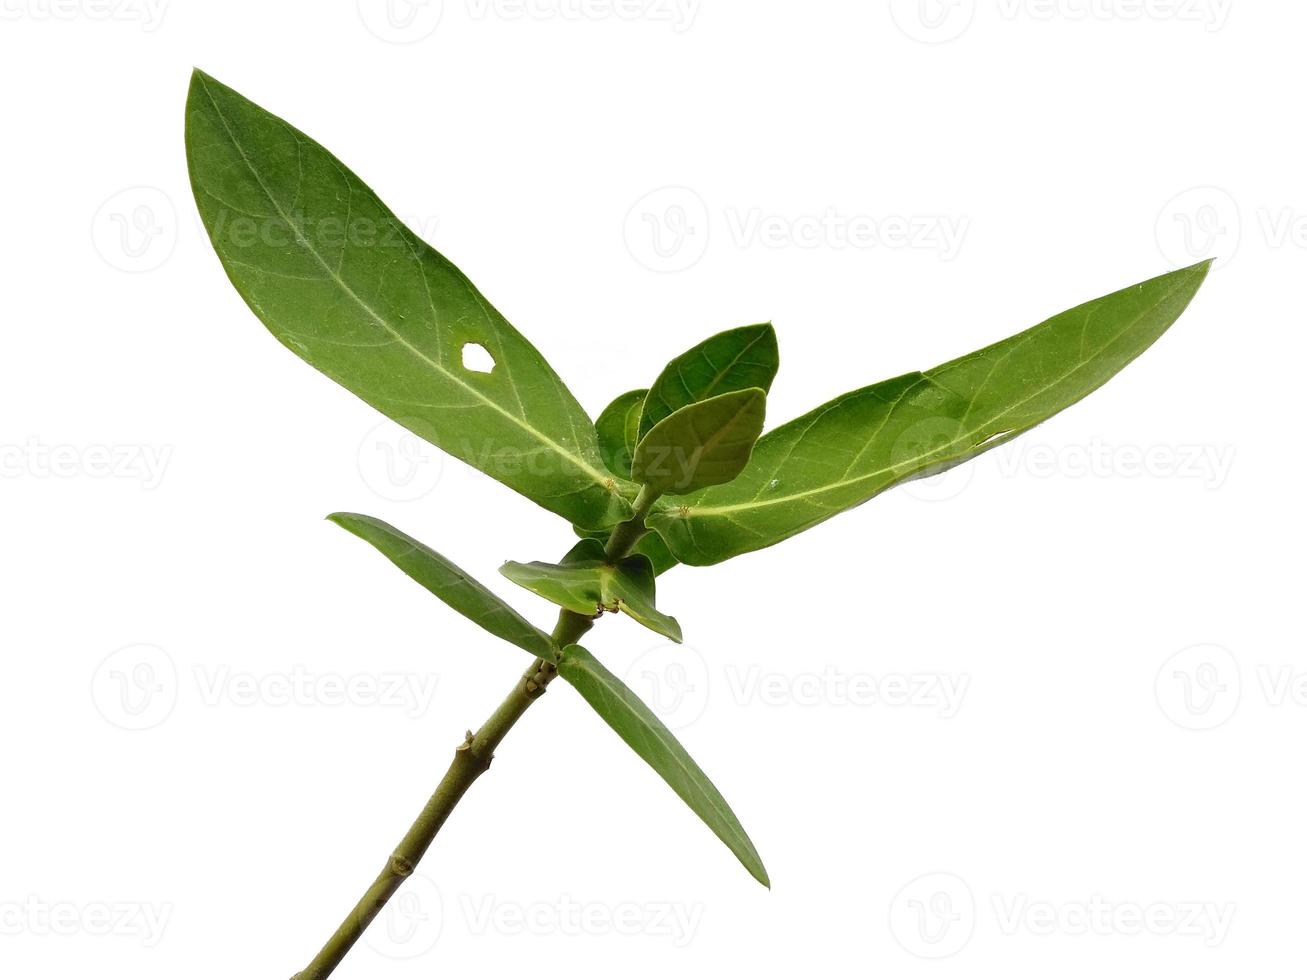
x,y
477,358
990,440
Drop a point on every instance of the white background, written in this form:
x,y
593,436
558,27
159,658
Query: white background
x,y
1113,784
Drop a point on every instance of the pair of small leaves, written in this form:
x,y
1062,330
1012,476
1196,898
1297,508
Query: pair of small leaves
x,y
585,582
733,360
612,700
696,425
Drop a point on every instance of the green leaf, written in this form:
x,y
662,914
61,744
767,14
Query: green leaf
x,y
449,583
616,427
852,448
701,444
732,360
640,728
338,279
585,583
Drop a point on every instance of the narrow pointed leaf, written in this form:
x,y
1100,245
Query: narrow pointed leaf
x,y
449,583
732,360
584,583
617,425
640,728
338,279
852,448
702,444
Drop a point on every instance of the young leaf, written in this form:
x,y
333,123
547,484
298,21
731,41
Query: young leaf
x,y
733,360
852,448
616,426
338,279
449,583
701,444
640,728
585,583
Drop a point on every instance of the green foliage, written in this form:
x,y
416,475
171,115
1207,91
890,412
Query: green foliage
x,y
702,444
585,582
338,279
640,728
850,449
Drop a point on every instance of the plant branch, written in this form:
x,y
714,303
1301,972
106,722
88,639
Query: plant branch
x,y
471,759
626,535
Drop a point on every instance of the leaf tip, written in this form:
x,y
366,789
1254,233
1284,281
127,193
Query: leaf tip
x,y
201,81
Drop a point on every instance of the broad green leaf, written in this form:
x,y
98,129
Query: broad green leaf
x,y
852,448
640,728
616,426
449,583
652,546
701,444
585,583
338,279
732,360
